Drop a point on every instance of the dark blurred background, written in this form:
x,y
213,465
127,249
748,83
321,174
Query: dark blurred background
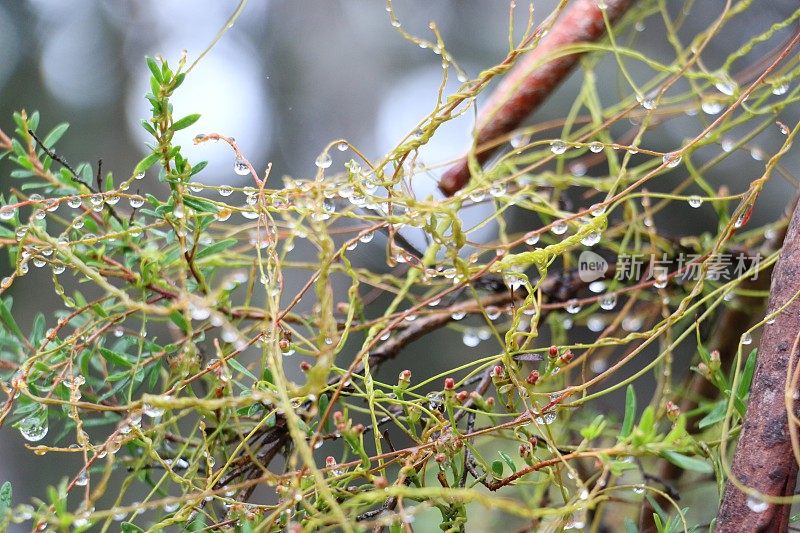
x,y
287,79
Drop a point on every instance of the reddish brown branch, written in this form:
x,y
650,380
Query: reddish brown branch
x,y
530,82
764,460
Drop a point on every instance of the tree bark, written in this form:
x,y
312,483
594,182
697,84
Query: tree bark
x,y
764,459
530,82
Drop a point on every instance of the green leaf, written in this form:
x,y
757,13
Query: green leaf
x,y
153,66
200,204
747,375
115,358
179,320
146,163
5,499
497,468
130,527
322,406
715,415
240,368
630,412
215,248
686,462
55,134
8,320
198,167
185,122
508,461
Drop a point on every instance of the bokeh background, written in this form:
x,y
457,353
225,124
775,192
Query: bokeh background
x,y
288,78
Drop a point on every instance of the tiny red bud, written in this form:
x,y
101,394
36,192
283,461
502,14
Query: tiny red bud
x,y
524,450
490,401
338,417
673,411
462,396
305,366
440,458
533,377
553,351
380,482
283,344
405,375
330,461
567,356
449,384
534,441
359,428
497,371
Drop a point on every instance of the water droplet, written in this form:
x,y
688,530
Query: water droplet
x,y
725,85
597,286
559,228
546,419
671,159
96,199
83,479
780,89
595,323
695,201
781,127
646,102
577,169
342,146
470,338
139,176
631,323
601,4
608,301
597,210
747,339
249,213
59,269
458,315
532,239
178,211
240,167
660,281
152,411
573,306
493,313
136,201
497,189
596,147
757,505
558,147
112,200
757,154
367,237
711,107
223,214
591,238
638,489
324,160
34,427
727,144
